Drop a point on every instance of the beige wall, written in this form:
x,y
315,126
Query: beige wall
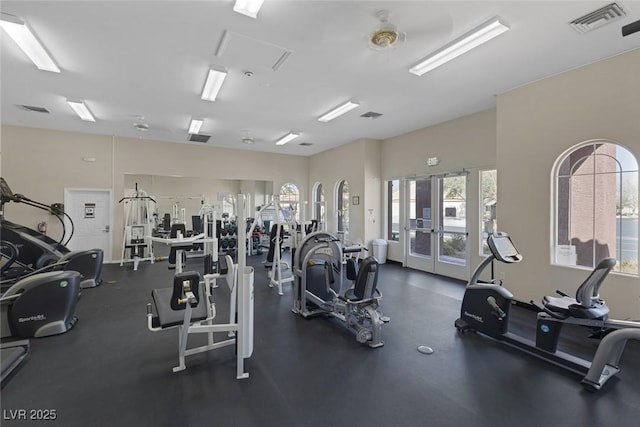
x,y
359,164
371,208
467,143
41,163
536,124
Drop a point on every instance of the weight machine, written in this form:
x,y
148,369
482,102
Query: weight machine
x,y
189,305
138,228
318,268
276,237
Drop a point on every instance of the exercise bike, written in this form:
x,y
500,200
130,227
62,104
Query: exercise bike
x,y
485,309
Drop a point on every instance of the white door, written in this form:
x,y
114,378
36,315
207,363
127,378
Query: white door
x,y
435,225
91,212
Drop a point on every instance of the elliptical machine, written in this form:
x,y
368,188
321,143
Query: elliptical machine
x,y
485,309
40,305
25,252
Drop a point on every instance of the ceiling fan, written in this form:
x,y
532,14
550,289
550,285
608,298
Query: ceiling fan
x,y
386,35
421,24
142,125
246,138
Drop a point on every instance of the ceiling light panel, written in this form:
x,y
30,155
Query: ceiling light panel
x,y
213,84
338,111
461,45
248,8
287,138
20,32
81,110
194,126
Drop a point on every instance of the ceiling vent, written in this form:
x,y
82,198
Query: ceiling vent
x,y
196,137
371,115
598,18
33,109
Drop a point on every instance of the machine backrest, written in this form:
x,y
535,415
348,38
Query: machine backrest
x,y
196,223
272,241
313,227
588,292
367,279
352,268
178,227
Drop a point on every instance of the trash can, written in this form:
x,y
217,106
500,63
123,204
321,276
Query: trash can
x,y
379,250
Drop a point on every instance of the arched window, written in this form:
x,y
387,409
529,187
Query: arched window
x,y
342,196
318,204
290,200
596,206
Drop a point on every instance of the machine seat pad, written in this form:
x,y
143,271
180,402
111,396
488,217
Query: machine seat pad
x,y
169,317
351,249
350,295
559,304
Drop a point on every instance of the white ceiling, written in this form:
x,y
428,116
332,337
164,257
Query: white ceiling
x,y
150,58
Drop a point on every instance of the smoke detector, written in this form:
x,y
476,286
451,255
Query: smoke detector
x,y
247,140
386,35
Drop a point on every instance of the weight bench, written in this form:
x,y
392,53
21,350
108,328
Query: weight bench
x,y
189,306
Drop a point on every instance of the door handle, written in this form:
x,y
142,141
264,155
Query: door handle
x,y
106,229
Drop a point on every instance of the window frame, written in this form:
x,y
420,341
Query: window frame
x,y
556,205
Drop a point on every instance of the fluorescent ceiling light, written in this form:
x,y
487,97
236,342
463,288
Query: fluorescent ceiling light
x,y
248,7
463,44
212,86
288,137
338,111
194,127
81,110
28,42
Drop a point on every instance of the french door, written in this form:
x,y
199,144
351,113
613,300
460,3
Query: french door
x,y
436,237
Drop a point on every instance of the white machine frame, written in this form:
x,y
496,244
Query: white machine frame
x,y
275,275
139,208
242,296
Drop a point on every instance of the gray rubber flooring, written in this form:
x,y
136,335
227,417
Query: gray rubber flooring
x,y
111,371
